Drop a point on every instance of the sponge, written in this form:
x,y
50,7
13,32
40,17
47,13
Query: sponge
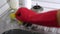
x,y
12,16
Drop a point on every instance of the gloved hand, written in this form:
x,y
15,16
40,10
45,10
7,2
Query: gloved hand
x,y
46,19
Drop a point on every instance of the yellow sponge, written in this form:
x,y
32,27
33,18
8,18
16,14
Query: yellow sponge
x,y
12,16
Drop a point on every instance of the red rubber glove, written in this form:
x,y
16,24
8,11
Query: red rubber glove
x,y
46,19
23,14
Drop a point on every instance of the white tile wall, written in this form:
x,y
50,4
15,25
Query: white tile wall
x,y
52,1
2,2
3,6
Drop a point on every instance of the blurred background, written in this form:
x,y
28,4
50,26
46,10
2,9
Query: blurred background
x,y
8,6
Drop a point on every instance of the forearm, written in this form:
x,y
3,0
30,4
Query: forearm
x,y
45,19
